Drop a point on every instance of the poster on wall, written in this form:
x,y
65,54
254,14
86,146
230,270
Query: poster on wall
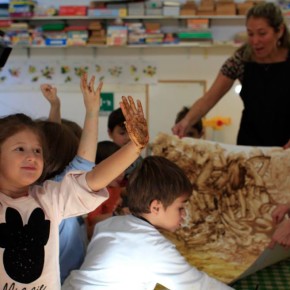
x,y
12,74
39,72
235,188
34,72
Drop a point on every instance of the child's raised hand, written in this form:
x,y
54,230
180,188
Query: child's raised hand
x,y
91,95
50,93
136,123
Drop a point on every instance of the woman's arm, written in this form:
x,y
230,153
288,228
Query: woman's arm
x,y
219,88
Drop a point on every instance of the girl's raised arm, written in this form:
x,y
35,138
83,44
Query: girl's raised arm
x,y
89,139
114,165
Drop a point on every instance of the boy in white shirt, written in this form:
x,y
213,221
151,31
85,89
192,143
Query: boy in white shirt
x,y
128,252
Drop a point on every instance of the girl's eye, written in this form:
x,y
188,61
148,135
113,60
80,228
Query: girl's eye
x,y
19,149
38,151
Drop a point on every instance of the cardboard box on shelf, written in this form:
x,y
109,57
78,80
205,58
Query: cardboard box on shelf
x,y
242,8
117,35
187,12
198,24
206,10
152,27
226,9
171,10
206,7
189,8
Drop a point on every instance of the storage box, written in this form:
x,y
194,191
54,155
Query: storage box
x,y
103,12
55,41
171,10
154,11
198,24
136,11
226,9
55,38
72,10
117,35
187,12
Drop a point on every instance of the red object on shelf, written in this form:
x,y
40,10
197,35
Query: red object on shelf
x,y
75,28
72,10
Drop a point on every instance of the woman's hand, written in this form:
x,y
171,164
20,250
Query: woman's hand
x,y
287,145
279,213
181,128
136,123
281,235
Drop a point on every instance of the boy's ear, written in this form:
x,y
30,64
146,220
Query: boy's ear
x,y
155,206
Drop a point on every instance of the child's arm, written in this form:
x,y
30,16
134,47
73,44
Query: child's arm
x,y
50,93
114,165
89,139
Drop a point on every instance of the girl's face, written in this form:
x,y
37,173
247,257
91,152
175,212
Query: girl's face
x,y
262,38
173,216
21,163
119,135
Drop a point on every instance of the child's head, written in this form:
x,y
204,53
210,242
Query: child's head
x,y
75,127
116,128
160,188
196,130
104,150
22,151
62,147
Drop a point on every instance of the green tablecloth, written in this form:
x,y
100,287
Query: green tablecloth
x,y
274,277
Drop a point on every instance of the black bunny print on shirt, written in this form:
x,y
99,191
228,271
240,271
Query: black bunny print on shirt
x,y
23,257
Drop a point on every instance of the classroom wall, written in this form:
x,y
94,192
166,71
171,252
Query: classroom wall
x,y
172,64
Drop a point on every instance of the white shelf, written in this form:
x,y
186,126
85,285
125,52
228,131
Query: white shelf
x,y
177,45
223,17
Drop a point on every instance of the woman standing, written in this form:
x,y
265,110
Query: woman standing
x,y
262,66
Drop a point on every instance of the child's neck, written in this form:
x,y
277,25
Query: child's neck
x,y
15,193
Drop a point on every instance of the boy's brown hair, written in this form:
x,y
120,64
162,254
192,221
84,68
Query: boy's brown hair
x,y
157,178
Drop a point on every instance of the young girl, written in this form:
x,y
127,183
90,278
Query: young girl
x,y
30,214
71,148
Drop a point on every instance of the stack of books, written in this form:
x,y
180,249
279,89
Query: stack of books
x,y
97,34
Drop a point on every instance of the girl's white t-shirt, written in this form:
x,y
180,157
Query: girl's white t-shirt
x,y
29,230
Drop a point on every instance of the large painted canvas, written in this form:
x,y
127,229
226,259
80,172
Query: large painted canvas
x,y
235,188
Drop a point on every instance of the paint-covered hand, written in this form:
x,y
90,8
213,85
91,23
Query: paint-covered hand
x,y
135,123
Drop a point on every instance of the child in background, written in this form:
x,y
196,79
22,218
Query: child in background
x,y
128,252
69,152
118,133
196,130
30,214
50,93
107,208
